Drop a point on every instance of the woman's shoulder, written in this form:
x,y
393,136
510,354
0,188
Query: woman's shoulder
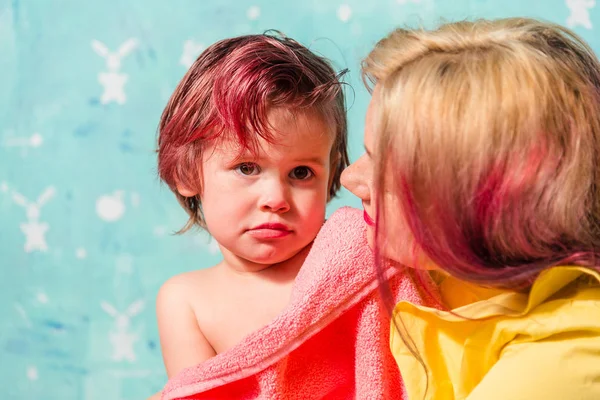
x,y
543,344
561,366
551,349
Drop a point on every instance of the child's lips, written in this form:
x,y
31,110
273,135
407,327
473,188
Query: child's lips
x,y
269,231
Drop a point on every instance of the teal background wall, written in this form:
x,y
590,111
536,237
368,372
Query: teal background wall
x,y
85,227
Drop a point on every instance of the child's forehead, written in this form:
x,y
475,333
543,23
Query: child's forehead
x,y
284,127
291,143
283,119
278,143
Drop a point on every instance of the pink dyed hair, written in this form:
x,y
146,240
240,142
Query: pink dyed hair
x,y
229,90
487,154
489,138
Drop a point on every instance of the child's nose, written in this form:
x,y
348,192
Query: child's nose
x,y
274,197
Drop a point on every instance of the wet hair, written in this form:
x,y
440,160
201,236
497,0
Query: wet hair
x,y
228,92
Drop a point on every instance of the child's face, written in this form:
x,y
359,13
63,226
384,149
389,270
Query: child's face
x,y
265,209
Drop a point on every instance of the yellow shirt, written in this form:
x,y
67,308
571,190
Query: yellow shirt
x,y
505,345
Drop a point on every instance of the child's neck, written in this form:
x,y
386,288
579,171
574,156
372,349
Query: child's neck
x,y
241,266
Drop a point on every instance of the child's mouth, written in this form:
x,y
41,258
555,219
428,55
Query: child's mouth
x,y
269,231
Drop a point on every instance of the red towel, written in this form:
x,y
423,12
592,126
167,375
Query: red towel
x,y
332,340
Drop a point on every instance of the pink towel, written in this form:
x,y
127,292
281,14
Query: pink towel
x,y
332,341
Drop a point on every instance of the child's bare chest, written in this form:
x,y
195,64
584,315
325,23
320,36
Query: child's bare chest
x,y
238,310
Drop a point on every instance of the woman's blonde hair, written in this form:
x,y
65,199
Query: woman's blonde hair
x,y
489,138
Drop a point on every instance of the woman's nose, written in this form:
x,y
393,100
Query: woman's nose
x,y
357,179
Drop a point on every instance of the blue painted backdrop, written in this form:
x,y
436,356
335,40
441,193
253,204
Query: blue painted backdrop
x,y
85,227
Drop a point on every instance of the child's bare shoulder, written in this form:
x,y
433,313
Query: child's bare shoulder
x,y
188,286
182,338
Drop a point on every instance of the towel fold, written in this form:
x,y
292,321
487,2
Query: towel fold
x,y
330,342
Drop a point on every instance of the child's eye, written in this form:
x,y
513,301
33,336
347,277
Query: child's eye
x,y
301,173
247,169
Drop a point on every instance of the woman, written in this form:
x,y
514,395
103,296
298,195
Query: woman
x,y
482,174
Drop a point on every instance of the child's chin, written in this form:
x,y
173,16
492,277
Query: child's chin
x,y
275,257
270,260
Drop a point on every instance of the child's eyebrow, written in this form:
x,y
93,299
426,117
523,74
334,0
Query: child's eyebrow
x,y
313,160
244,155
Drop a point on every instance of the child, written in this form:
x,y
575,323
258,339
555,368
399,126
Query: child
x,y
252,143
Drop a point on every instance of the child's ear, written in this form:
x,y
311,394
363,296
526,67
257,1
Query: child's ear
x,y
184,190
335,160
